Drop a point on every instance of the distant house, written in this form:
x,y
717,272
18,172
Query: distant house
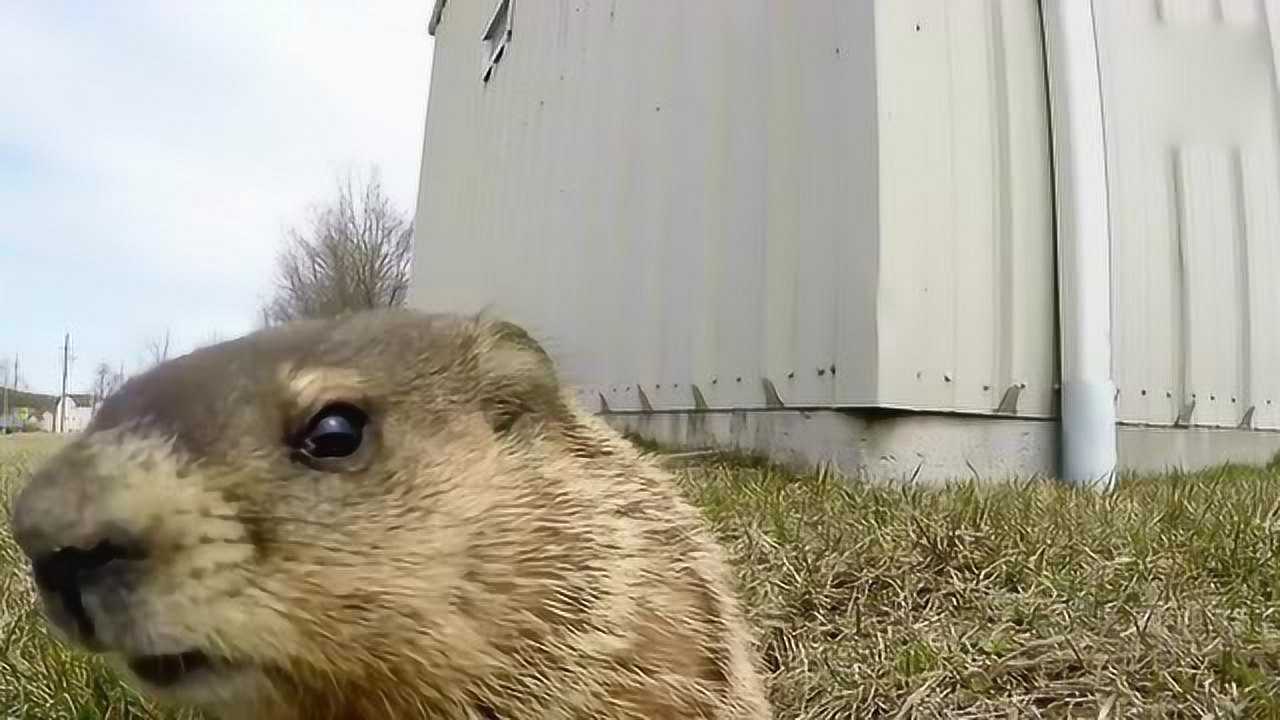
x,y
34,411
27,411
71,413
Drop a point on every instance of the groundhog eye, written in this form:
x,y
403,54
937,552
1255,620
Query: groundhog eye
x,y
334,432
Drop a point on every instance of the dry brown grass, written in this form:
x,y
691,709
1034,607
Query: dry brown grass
x,y
1011,601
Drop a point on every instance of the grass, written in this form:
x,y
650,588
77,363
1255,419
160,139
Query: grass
x,y
1161,600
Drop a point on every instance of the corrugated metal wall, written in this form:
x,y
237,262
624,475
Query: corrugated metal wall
x,y
719,193
966,302
671,193
854,200
1190,102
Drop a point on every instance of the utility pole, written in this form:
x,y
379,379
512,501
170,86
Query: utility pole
x,y
62,402
13,381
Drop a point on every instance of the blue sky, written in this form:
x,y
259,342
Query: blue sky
x,y
152,154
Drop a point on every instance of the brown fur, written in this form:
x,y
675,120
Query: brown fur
x,y
492,552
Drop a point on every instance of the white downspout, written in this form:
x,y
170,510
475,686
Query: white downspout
x,y
1084,252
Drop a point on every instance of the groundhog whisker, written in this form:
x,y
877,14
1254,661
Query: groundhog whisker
x,y
269,518
337,549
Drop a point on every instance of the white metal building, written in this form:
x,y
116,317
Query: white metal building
x,y
876,232
77,415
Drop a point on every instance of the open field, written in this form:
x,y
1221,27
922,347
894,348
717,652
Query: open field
x,y
1159,601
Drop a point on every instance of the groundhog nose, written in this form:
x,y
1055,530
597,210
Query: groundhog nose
x,y
64,574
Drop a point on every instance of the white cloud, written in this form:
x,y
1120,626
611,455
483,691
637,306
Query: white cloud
x,y
151,153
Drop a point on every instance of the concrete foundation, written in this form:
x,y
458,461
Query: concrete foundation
x,y
880,446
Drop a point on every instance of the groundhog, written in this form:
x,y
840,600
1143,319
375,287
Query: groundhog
x,y
388,515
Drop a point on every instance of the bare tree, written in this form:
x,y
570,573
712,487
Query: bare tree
x,y
102,377
10,376
354,254
213,338
158,349
106,380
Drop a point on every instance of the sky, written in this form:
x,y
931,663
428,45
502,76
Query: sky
x,y
152,155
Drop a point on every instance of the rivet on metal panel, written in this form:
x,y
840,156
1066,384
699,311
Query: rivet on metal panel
x,y
699,402
771,397
822,371
604,404
833,369
946,377
1143,392
1246,422
739,378
644,400
986,388
715,380
919,374
1188,410
1009,403
1168,393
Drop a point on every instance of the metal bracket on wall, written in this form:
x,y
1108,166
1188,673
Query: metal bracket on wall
x,y
771,397
604,404
1246,422
699,402
1184,417
1009,403
437,13
497,34
644,400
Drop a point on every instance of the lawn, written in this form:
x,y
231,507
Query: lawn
x,y
1160,600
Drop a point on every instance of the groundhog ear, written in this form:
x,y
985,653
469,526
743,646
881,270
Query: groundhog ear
x,y
519,375
508,333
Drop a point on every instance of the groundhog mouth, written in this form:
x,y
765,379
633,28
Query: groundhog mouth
x,y
168,670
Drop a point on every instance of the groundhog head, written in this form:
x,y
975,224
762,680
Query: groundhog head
x,y
336,512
